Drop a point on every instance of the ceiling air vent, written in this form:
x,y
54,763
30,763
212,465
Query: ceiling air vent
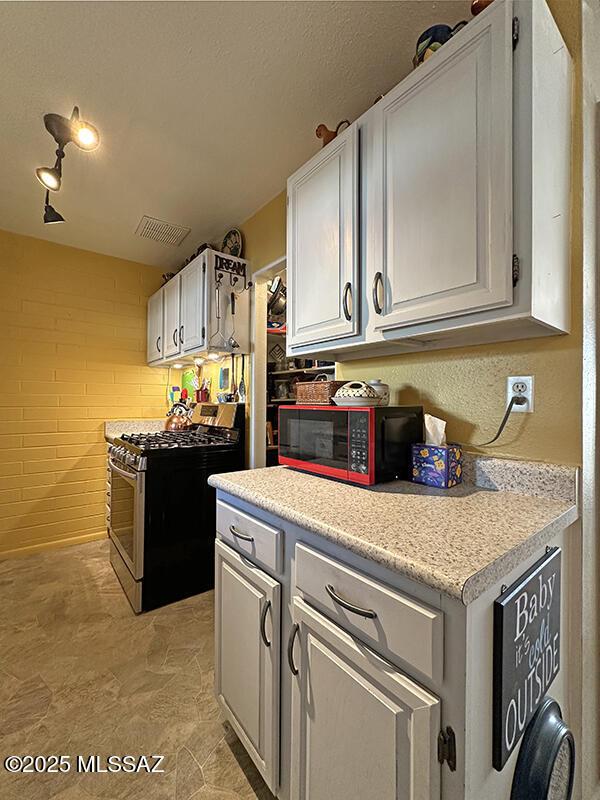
x,y
160,231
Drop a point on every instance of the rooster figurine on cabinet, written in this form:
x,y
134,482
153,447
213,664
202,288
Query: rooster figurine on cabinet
x,y
326,135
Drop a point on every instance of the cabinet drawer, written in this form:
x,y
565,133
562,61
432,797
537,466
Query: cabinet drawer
x,y
250,536
395,625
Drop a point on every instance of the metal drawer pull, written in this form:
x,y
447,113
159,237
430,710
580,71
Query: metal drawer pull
x,y
378,280
158,343
290,648
243,536
347,292
363,612
181,334
263,620
175,337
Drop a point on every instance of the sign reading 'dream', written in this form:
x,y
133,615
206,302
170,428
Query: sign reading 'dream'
x,y
526,651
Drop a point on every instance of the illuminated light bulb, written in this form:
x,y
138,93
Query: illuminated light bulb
x,y
86,136
49,177
177,366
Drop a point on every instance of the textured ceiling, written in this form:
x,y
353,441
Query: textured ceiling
x,y
204,108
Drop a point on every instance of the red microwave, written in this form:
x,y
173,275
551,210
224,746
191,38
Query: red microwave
x,y
355,444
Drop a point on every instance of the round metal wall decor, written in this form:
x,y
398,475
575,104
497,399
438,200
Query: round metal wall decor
x,y
233,243
546,764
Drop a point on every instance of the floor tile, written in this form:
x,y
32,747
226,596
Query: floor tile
x,y
82,675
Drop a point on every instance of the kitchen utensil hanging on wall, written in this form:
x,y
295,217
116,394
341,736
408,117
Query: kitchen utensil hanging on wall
x,y
233,389
232,342
218,332
242,386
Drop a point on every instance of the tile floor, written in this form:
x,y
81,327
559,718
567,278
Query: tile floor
x,y
80,674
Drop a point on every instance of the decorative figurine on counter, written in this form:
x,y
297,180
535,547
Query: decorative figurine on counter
x,y
432,39
324,133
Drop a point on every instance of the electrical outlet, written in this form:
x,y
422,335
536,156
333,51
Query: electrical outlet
x,y
523,386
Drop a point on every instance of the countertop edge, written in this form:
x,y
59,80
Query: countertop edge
x,y
478,583
466,591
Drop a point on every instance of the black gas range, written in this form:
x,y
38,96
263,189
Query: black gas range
x,y
161,518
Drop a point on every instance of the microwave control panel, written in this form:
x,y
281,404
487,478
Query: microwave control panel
x,y
358,432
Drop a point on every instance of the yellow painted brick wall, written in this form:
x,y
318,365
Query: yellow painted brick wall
x,y
72,355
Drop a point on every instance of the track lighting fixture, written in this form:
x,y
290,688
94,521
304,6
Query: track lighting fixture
x,y
64,130
51,215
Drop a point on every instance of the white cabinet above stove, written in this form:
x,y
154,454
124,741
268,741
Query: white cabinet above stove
x,y
203,309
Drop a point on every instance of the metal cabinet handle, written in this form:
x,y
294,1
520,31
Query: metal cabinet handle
x,y
181,334
290,648
263,620
158,343
377,282
243,536
363,612
175,337
347,293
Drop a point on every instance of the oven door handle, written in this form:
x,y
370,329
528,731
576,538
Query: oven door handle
x,y
124,473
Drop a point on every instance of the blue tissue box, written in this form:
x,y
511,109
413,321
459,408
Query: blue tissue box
x,y
437,465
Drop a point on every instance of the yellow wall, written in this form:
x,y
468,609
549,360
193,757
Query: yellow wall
x,y
264,233
467,386
73,354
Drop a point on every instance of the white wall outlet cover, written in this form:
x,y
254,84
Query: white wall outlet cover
x,y
520,385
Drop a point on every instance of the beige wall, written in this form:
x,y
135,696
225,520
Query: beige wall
x,y
72,354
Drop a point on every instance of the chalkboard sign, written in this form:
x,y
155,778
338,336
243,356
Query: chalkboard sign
x,y
526,651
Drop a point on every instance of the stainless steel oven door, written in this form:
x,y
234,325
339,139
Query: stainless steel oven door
x,y
126,518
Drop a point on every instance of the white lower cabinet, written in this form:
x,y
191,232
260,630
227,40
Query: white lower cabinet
x,y
247,656
360,728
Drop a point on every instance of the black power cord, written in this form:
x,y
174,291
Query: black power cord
x,y
515,400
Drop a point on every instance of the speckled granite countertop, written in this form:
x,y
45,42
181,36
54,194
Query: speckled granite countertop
x,y
460,541
115,427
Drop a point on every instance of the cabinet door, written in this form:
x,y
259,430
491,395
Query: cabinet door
x,y
360,728
192,331
154,327
247,656
172,342
446,153
322,258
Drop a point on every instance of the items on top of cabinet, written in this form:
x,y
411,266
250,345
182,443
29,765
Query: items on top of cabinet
x,y
326,135
432,39
477,6
233,243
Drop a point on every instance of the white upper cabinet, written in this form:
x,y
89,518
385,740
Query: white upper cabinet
x,y
464,198
195,312
446,145
172,291
360,728
322,259
247,656
192,328
154,327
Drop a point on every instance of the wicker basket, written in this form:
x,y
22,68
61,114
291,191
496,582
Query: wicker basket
x,y
318,392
